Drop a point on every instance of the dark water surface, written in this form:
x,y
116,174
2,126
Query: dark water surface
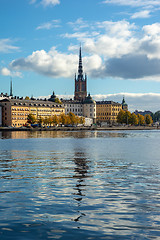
x,y
80,185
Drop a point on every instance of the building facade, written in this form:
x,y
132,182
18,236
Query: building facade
x,y
107,111
15,111
86,109
82,105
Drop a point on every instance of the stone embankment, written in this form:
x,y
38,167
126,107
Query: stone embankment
x,y
92,128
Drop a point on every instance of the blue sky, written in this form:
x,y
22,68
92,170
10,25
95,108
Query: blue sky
x,y
40,39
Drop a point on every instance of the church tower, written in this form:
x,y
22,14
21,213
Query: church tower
x,y
11,91
80,82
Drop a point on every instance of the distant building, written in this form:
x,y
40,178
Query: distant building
x,y
143,112
15,110
107,111
124,105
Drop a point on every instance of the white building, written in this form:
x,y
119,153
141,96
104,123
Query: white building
x,y
86,108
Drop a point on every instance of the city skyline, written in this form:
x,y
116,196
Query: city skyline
x,y
120,41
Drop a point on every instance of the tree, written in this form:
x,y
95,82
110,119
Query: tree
x,y
148,119
40,120
141,120
55,120
45,121
72,118
27,98
63,119
156,116
127,117
57,100
120,116
134,119
31,119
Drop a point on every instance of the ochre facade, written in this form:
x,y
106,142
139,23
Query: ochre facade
x,y
107,111
16,111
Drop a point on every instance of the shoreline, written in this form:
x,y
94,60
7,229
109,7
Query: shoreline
x,y
111,128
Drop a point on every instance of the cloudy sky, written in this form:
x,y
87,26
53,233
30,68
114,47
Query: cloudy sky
x,y
120,39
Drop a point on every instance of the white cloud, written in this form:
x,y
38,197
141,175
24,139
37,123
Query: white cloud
x,y
50,2
47,2
49,25
6,46
135,3
79,24
141,14
52,63
6,72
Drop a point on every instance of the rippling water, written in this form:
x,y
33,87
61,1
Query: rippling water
x,y
80,185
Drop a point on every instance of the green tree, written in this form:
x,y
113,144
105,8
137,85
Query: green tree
x,y
127,117
156,116
148,119
31,119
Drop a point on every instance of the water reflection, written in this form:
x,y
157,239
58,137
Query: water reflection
x,y
81,172
60,134
93,186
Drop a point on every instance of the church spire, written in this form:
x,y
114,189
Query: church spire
x,y
80,67
80,81
11,91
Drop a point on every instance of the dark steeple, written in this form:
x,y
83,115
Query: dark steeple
x,y
80,82
11,91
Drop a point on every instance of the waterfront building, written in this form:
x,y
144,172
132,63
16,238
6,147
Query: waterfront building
x,y
82,105
124,105
107,111
15,110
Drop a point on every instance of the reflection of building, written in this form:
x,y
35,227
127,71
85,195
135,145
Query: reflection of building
x,y
82,105
124,105
16,110
107,111
81,171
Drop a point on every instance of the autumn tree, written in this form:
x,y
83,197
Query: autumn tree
x,y
31,119
72,118
55,120
141,120
120,116
134,119
148,119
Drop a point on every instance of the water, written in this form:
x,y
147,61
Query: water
x,y
80,185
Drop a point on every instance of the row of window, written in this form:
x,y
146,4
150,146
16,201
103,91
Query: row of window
x,y
37,104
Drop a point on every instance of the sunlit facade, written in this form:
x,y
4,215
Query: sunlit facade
x,y
16,111
107,111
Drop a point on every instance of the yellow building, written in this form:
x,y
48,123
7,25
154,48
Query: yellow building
x,y
107,111
16,110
